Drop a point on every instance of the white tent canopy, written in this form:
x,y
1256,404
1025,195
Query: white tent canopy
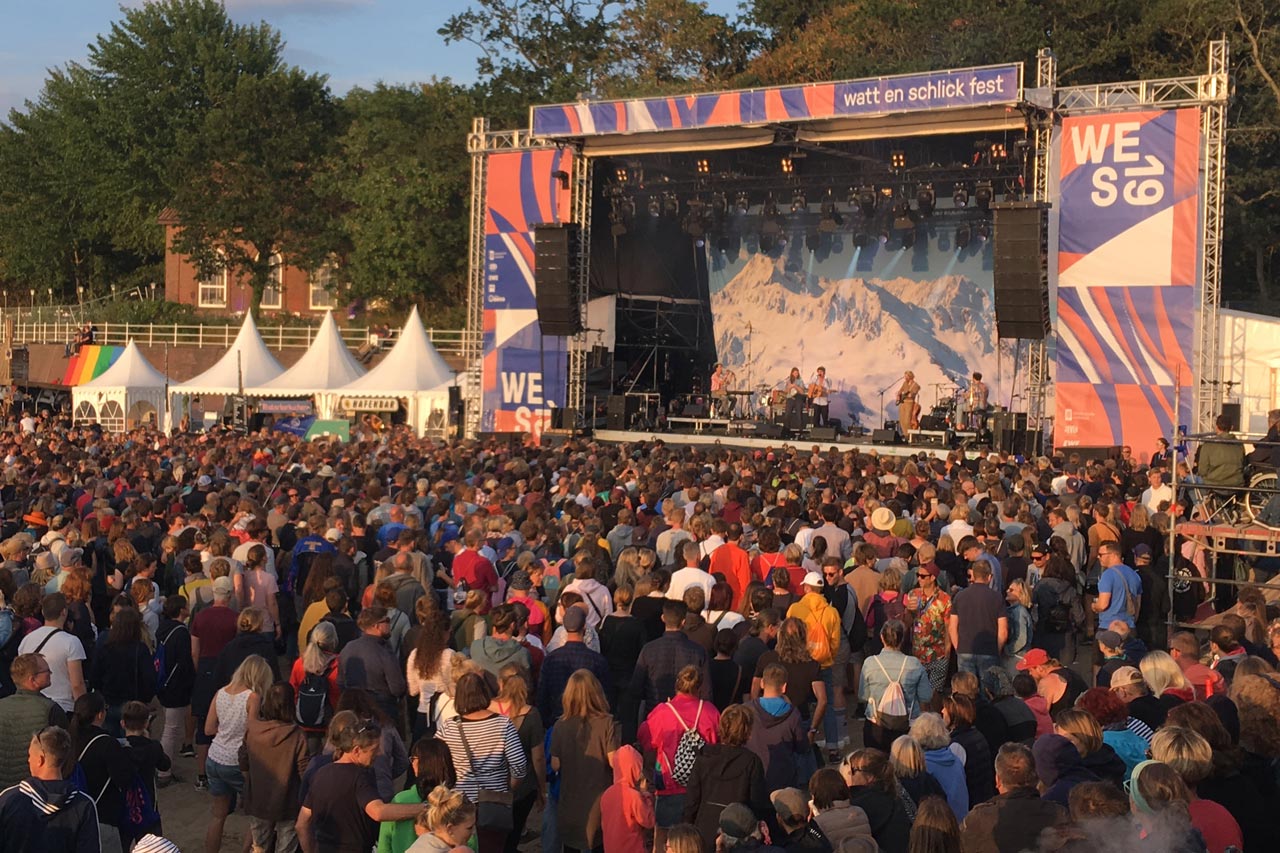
x,y
247,363
413,370
326,366
126,394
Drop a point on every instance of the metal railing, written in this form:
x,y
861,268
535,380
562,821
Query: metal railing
x,y
446,341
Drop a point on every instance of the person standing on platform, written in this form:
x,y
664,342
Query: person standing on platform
x,y
795,393
820,397
908,408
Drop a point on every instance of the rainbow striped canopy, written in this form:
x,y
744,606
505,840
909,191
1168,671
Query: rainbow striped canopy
x,y
89,364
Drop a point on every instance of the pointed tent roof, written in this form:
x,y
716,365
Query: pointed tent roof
x,y
327,365
256,363
413,365
130,370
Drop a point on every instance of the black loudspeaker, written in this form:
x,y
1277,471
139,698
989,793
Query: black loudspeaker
x,y
1231,411
823,433
1008,421
695,410
557,250
562,418
1027,443
769,430
621,411
884,436
929,422
1093,454
1021,277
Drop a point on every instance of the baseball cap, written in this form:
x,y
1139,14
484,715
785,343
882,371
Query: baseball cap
x,y
812,579
1141,550
70,556
1040,551
737,821
332,535
931,569
503,545
450,535
1034,657
204,481
791,804
575,619
1125,676
1110,639
223,586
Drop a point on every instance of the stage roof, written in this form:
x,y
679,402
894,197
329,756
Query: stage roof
x,y
982,96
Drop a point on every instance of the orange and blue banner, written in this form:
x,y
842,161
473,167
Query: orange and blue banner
x,y
89,363
1128,275
524,374
904,93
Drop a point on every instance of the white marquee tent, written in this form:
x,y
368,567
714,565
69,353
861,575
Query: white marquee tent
x,y
412,371
128,393
247,363
326,366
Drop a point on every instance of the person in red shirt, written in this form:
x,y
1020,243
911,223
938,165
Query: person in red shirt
x,y
1184,648
733,562
473,567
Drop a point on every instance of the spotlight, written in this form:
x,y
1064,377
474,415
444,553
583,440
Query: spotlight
x,y
655,206
898,159
812,241
622,175
984,231
799,204
960,196
908,238
831,218
963,235
719,205
926,200
867,201
903,215
788,165
670,205
983,195
999,152
704,167
770,208
743,202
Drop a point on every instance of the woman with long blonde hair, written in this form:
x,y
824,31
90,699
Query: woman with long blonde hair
x,y
228,719
582,746
1165,678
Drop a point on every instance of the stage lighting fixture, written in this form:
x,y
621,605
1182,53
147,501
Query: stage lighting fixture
x,y
960,196
884,237
861,239
719,205
1012,190
999,152
898,159
963,235
926,200
799,204
983,232
867,201
831,218
670,205
770,207
908,238
812,241
788,165
903,215
743,203
655,206
622,175
704,167
983,195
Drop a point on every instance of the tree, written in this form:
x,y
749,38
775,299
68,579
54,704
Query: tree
x,y
405,182
252,184
664,45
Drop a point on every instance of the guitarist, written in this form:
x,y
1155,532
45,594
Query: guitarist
x,y
820,397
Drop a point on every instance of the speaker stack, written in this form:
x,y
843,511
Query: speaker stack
x,y
621,411
556,271
1021,276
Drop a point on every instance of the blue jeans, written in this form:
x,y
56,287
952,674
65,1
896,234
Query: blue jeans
x,y
977,664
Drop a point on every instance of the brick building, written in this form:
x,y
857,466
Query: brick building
x,y
291,290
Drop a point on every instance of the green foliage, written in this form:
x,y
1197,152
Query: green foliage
x,y
157,311
406,186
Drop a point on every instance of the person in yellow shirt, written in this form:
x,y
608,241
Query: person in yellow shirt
x,y
825,636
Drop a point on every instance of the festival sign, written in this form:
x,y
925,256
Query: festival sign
x,y
1128,276
524,374
904,93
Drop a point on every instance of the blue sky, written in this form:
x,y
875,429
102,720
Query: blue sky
x,y
355,42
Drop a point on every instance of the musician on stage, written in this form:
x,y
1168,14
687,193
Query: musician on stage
x,y
820,396
721,380
908,408
796,394
976,400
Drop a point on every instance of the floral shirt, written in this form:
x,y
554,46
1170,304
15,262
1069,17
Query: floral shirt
x,y
929,629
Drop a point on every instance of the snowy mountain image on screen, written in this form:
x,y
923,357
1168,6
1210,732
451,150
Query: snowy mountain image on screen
x,y
866,330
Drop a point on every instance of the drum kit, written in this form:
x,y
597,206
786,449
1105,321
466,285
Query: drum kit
x,y
952,405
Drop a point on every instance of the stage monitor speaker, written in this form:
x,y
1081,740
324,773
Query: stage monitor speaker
x,y
884,436
769,430
929,422
1092,454
564,418
1231,411
1002,421
621,411
1020,274
695,410
556,271
823,433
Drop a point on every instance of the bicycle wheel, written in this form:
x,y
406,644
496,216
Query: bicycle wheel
x,y
1263,501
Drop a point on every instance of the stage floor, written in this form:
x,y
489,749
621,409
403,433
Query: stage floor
x,y
752,443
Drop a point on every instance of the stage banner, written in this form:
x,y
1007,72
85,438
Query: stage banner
x,y
903,93
524,374
1128,275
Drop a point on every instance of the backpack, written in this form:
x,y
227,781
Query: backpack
x,y
1058,619
1188,591
1130,603
164,670
688,748
9,651
138,812
312,708
818,642
891,712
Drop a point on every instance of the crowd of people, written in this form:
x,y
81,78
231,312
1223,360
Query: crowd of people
x,y
415,645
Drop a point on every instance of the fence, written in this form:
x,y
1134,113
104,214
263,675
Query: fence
x,y
446,341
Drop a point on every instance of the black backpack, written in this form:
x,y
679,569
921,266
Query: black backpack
x,y
7,655
1058,619
312,708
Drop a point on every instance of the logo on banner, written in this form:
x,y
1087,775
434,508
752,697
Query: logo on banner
x,y
1137,178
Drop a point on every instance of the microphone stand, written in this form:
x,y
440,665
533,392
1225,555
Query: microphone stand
x,y
882,393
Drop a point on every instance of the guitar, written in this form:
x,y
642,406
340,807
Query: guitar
x,y
817,390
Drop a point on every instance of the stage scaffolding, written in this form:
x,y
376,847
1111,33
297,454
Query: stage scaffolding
x,y
1208,92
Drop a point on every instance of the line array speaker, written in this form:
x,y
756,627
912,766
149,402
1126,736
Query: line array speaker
x,y
1020,271
556,271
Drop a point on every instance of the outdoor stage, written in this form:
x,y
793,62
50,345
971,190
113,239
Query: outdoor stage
x,y
746,442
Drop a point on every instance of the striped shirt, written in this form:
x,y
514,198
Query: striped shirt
x,y
495,746
1140,729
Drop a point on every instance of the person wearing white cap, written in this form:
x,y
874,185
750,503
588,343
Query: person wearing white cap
x,y
822,622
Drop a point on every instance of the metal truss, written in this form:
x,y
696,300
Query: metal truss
x,y
1038,351
580,211
1213,127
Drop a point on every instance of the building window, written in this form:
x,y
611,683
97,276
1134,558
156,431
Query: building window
x,y
212,288
273,292
322,288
